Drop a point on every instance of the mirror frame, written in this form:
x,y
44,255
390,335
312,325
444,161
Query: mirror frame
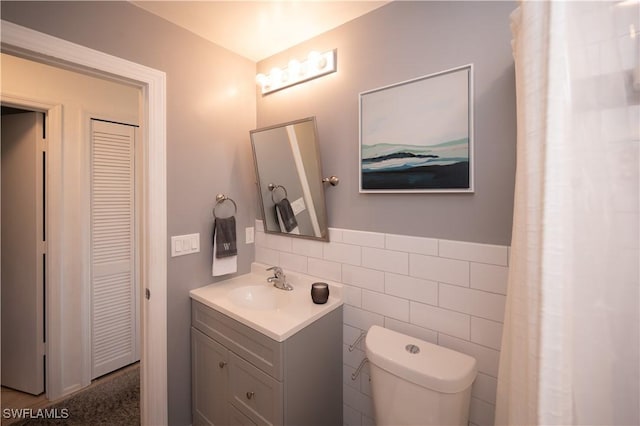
x,y
321,210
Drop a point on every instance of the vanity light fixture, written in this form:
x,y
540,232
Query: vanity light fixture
x,y
316,65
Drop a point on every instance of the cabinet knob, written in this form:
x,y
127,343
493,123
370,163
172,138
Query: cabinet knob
x,y
250,395
221,364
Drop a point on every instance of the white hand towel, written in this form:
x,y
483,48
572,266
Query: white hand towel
x,y
223,265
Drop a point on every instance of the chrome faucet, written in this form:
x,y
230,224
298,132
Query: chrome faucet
x,y
279,279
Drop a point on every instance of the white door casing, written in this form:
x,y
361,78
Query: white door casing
x,y
44,48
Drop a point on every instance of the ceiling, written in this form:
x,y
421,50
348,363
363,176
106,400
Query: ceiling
x,y
259,29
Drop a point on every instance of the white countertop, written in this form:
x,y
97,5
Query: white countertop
x,y
292,310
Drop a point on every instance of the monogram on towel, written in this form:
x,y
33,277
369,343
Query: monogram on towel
x,y
225,237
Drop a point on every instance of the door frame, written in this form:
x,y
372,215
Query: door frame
x,y
34,45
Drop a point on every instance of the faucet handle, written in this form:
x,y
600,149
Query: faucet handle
x,y
277,271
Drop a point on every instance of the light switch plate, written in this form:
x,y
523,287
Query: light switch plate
x,y
185,244
249,235
298,206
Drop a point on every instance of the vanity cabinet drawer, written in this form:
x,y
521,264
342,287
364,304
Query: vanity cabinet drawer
x,y
236,418
260,350
256,394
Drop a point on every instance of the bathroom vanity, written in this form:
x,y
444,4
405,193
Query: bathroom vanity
x,y
264,356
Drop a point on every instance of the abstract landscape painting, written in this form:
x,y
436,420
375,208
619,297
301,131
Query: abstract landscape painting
x,y
416,136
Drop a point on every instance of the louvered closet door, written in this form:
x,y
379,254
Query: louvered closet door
x,y
113,275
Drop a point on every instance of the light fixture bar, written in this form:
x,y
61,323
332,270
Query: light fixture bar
x,y
316,65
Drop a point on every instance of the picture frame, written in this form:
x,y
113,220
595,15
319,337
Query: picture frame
x,y
416,136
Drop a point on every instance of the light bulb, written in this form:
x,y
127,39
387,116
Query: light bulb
x,y
294,68
276,74
261,79
321,63
314,59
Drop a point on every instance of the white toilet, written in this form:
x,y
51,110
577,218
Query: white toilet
x,y
417,383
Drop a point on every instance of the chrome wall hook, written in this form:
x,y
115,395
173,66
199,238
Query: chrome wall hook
x,y
359,369
354,344
332,180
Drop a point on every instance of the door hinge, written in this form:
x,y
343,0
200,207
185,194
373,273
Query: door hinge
x,y
43,247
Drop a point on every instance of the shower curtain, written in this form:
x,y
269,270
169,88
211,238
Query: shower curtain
x,y
570,346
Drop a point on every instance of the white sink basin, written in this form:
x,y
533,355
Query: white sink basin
x,y
276,313
259,297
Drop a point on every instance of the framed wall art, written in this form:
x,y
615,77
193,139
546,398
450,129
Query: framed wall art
x,y
417,135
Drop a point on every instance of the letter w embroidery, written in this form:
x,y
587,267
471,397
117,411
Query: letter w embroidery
x,y
227,246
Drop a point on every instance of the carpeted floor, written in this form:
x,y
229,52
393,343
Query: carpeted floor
x,y
115,402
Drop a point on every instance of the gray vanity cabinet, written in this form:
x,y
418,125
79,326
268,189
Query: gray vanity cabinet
x,y
243,377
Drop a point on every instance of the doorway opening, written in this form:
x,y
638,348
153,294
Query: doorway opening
x,y
115,291
26,42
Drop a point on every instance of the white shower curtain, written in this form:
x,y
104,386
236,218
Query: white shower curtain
x,y
571,340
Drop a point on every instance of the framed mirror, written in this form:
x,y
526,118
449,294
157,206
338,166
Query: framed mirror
x,y
289,175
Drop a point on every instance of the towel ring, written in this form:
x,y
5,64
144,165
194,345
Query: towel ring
x,y
221,198
273,189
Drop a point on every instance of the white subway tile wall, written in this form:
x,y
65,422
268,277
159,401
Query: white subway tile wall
x,y
451,293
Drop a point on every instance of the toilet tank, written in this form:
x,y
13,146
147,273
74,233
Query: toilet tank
x,y
416,382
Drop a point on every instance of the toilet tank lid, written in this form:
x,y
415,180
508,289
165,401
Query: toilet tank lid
x,y
431,366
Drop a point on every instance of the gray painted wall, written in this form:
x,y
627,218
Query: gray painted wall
x,y
394,43
210,110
